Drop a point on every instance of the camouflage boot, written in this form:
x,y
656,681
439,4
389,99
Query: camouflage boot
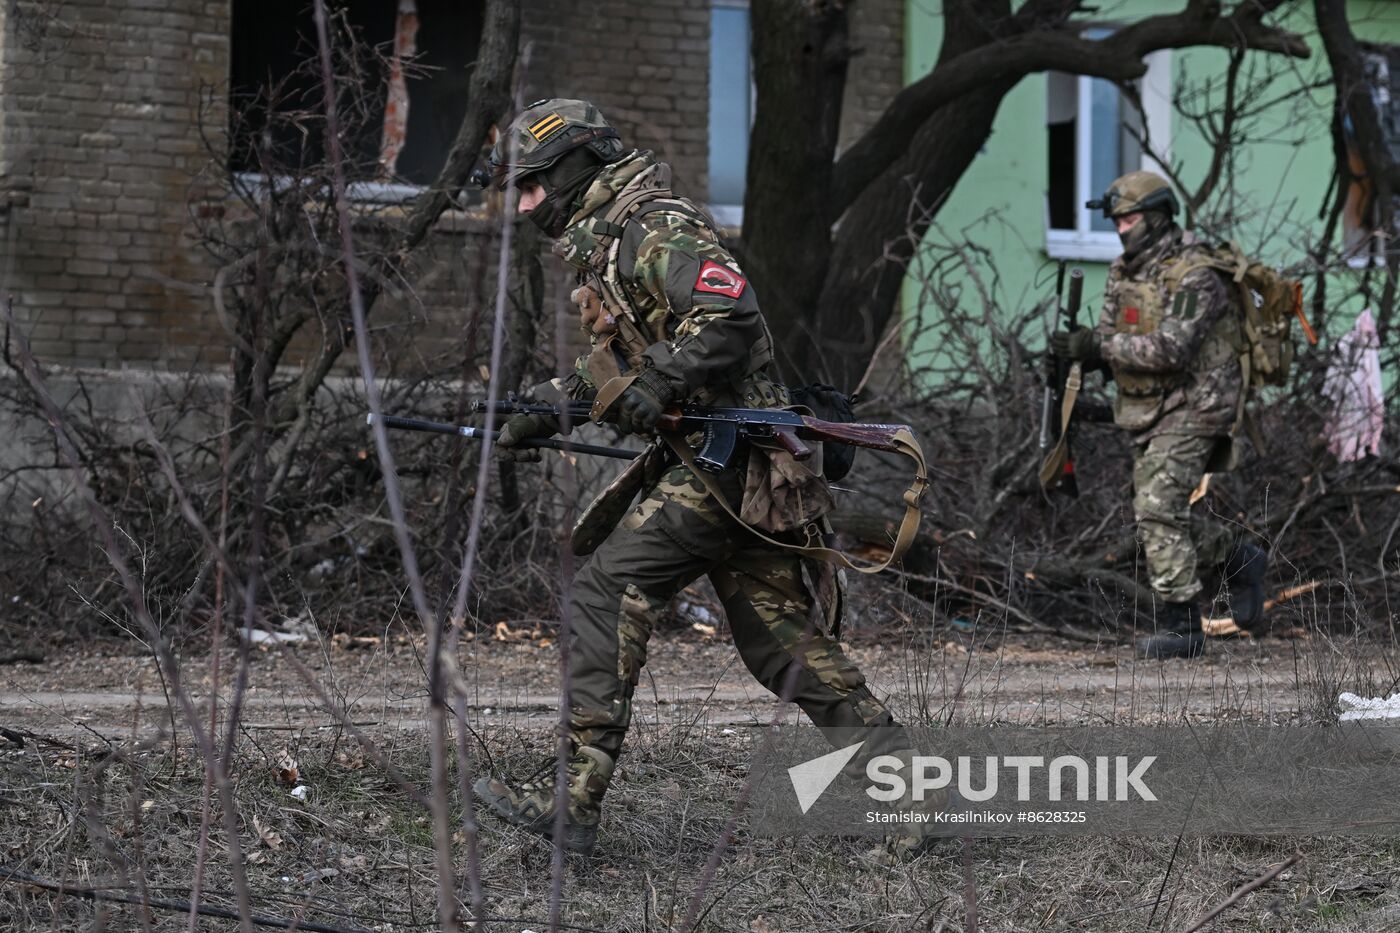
x,y
908,844
530,804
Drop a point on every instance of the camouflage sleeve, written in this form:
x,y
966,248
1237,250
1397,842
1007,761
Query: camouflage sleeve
x,y
1105,324
1197,305
711,314
1107,313
578,384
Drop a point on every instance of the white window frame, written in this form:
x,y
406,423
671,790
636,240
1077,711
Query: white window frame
x,y
1156,93
732,215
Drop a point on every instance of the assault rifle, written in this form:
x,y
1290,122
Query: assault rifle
x,y
1061,376
724,428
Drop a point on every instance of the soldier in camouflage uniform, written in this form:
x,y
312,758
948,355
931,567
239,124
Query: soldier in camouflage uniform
x,y
665,304
1170,335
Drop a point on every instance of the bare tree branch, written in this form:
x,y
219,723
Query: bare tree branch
x,y
1051,46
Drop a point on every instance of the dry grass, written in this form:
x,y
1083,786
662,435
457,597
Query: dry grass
x,y
124,814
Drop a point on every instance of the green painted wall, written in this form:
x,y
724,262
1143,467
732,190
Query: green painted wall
x,y
1280,181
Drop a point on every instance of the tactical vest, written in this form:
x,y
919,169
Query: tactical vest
x,y
650,192
1141,306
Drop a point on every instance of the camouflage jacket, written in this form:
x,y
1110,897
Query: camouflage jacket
x,y
690,313
1172,339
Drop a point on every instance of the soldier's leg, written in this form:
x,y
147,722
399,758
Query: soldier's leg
x,y
662,544
769,610
668,540
769,607
1165,471
1215,541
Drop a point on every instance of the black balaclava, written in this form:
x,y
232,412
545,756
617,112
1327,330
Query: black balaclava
x,y
563,182
1153,226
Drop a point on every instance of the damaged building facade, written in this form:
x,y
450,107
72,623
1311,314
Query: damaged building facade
x,y
127,131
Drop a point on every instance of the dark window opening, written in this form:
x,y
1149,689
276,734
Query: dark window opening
x,y
275,90
1062,110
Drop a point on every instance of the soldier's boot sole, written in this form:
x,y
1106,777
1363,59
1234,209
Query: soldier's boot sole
x,y
1166,645
578,837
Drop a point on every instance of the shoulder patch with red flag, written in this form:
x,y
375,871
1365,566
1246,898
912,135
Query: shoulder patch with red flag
x,y
719,280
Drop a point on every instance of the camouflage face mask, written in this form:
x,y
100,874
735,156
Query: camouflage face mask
x,y
1141,235
563,182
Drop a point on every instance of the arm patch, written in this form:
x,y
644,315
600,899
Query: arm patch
x,y
716,279
1184,304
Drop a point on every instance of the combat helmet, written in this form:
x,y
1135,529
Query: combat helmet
x,y
542,135
1136,192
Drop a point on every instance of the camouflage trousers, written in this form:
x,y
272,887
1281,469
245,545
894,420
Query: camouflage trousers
x,y
1166,470
673,536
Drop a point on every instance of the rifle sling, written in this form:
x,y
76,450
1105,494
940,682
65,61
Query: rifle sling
x,y
904,442
608,393
1053,467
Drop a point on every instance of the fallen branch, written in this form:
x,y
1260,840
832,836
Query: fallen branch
x,y
1293,592
1245,889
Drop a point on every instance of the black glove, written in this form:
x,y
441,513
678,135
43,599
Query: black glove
x,y
640,406
1078,344
521,427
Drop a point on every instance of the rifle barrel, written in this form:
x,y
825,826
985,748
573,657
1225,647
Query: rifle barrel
x,y
1076,296
438,427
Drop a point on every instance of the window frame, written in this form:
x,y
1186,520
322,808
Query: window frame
x,y
365,192
732,215
1084,243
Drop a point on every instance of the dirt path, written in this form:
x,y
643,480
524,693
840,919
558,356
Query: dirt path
x,y
106,688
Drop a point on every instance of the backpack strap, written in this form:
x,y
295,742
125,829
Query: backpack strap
x,y
1229,259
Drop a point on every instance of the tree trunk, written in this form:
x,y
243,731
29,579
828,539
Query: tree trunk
x,y
872,249
800,53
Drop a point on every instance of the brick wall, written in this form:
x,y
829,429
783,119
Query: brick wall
x,y
646,66
104,175
98,156
876,71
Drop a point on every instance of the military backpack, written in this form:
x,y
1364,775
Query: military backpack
x,y
1269,301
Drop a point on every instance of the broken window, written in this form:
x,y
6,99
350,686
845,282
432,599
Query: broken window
x,y
410,60
1092,137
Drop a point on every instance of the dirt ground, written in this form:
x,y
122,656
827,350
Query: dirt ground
x,y
95,791
104,689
